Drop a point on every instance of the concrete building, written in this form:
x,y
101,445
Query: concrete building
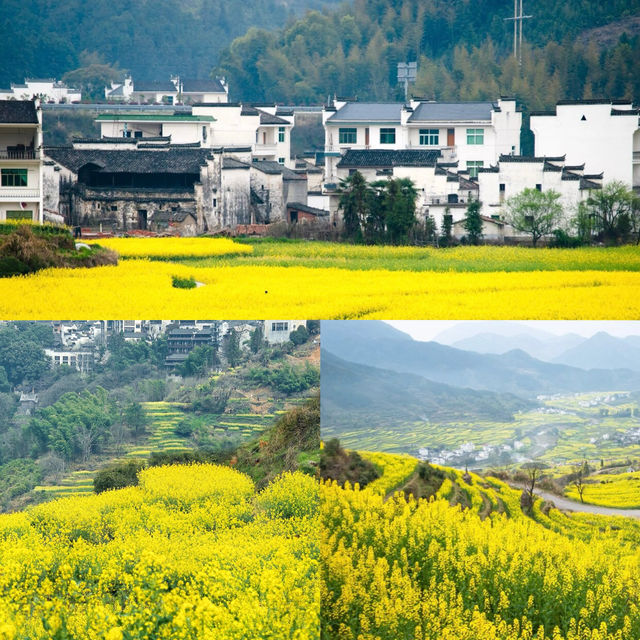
x,y
45,89
80,360
278,331
21,169
602,134
474,134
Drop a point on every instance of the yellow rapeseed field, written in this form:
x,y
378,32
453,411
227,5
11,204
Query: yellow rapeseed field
x,y
192,553
173,247
143,288
399,568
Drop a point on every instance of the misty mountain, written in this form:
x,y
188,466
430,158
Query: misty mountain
x,y
504,328
375,344
546,349
603,351
355,395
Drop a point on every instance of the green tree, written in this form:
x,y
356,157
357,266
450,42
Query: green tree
x,y
22,359
400,209
355,202
447,227
473,222
612,208
199,361
136,419
534,212
299,336
256,341
231,348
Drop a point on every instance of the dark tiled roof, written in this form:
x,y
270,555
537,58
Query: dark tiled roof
x,y
589,184
489,169
233,163
18,112
542,113
452,111
156,145
248,110
307,209
118,91
592,101
368,111
551,167
163,86
574,167
625,112
568,175
273,168
593,176
385,158
171,160
510,158
190,85
267,118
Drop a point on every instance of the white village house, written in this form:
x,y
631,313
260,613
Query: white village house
x,y
474,134
21,160
602,134
176,90
45,89
265,129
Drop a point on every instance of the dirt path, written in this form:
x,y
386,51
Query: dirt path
x,y
571,505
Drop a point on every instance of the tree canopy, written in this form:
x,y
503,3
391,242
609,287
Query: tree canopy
x,y
534,212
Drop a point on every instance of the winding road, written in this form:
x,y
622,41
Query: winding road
x,y
570,505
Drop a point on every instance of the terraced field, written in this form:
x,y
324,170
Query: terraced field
x,y
163,418
621,490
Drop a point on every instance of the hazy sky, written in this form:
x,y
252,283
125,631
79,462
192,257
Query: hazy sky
x,y
429,329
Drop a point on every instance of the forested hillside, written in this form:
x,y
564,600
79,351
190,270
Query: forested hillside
x,y
42,38
464,51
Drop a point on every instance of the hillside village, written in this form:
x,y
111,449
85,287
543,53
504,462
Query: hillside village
x,y
214,166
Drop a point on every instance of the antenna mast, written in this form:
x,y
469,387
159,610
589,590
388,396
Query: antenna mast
x,y
518,17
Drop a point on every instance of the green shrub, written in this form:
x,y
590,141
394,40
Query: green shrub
x,y
118,476
183,283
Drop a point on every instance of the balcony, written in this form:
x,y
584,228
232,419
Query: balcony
x,y
265,149
636,156
13,153
18,194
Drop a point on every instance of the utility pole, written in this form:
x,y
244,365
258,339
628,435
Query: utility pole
x,y
518,17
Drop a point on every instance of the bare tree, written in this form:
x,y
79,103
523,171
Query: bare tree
x,y
86,439
118,434
534,472
581,473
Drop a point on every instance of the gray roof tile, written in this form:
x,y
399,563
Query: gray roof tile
x,y
368,111
452,111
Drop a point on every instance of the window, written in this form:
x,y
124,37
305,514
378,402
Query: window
x,y
538,187
429,137
126,133
279,326
137,134
215,203
280,160
280,134
388,136
19,215
14,177
347,135
204,133
475,136
473,166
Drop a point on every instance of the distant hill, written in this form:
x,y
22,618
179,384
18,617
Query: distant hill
x,y
40,38
357,396
377,344
603,351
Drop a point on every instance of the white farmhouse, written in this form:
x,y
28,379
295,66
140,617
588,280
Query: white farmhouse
x,y
278,331
45,89
21,160
177,90
602,134
474,134
265,130
513,174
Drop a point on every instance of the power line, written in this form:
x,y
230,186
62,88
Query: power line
x,y
518,18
